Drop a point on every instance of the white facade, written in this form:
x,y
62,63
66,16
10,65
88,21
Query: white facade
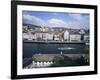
x,y
45,36
66,35
29,36
56,37
42,64
86,37
38,35
75,37
25,36
50,36
82,31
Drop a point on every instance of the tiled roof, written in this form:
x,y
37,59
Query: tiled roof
x,y
42,57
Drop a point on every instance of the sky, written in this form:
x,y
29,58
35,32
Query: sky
x,y
57,19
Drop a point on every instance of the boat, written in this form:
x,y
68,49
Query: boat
x,y
65,48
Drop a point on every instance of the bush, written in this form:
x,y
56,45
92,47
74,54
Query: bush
x,y
67,61
87,51
81,61
58,61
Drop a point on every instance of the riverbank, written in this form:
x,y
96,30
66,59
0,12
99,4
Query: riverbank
x,y
34,41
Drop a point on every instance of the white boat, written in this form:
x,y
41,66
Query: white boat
x,y
65,48
87,43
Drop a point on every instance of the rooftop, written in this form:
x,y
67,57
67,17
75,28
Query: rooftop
x,y
45,57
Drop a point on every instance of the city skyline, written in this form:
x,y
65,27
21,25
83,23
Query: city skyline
x,y
57,19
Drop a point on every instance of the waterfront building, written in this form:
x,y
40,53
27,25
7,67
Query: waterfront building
x,y
86,37
25,36
34,32
66,35
72,35
56,37
47,36
44,35
75,35
82,31
38,35
50,36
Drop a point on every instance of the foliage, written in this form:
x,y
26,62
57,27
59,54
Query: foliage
x,y
82,61
67,61
87,51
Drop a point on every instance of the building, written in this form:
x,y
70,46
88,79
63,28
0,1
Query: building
x,y
29,36
72,35
42,60
39,35
56,37
25,36
44,36
86,37
44,28
66,35
50,36
75,37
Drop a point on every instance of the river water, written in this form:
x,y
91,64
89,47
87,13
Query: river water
x,y
52,48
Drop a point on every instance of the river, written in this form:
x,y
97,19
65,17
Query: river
x,y
52,48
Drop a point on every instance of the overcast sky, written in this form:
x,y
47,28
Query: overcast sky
x,y
57,19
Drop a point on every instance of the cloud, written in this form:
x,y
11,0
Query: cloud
x,y
56,23
75,21
30,19
53,22
79,21
55,13
71,21
76,16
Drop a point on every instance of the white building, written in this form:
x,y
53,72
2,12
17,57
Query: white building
x,y
25,36
75,37
56,37
82,31
66,35
38,35
72,35
86,37
50,36
42,63
29,36
47,36
42,60
44,35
